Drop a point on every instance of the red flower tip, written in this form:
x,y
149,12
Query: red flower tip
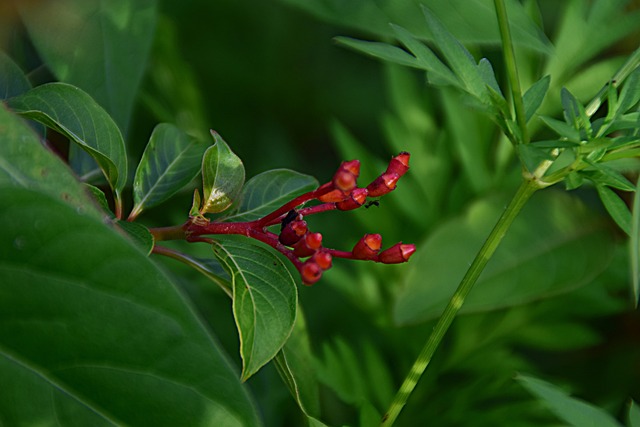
x,y
344,180
397,253
310,272
383,184
399,164
355,200
292,232
352,166
367,247
323,259
308,245
334,196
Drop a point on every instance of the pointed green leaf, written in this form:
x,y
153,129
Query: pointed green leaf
x,y
13,82
428,60
458,57
634,247
379,50
169,162
564,239
534,96
25,163
70,111
139,234
195,204
269,190
100,46
616,207
561,128
604,175
634,414
488,75
630,93
222,176
569,409
264,300
574,113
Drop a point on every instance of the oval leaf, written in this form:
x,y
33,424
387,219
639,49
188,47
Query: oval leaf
x,y
169,162
269,190
554,234
72,112
13,82
264,301
222,176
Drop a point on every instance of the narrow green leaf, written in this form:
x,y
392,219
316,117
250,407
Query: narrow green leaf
x,y
634,247
195,204
24,162
561,128
488,75
100,46
13,82
264,300
630,93
169,162
604,175
118,331
616,207
139,234
634,414
100,197
437,71
574,113
569,409
458,57
269,190
565,240
72,112
294,363
532,155
379,50
222,176
534,96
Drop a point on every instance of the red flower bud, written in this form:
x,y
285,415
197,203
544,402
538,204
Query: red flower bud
x,y
323,259
399,164
344,180
355,200
308,245
310,272
292,232
352,166
367,247
397,253
334,196
383,184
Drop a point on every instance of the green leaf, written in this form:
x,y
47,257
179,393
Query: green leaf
x,y
70,111
554,234
13,82
100,46
569,409
574,113
269,190
195,204
562,129
437,71
264,300
169,162
25,163
634,414
383,51
222,176
116,329
630,93
534,96
616,207
634,247
604,175
294,363
458,57
139,234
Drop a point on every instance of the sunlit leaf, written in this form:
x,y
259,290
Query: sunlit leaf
x,y
222,176
264,300
169,162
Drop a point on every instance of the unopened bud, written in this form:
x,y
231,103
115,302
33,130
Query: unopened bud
x,y
352,166
291,233
355,200
397,253
344,180
308,245
383,184
399,164
367,247
323,259
334,196
310,272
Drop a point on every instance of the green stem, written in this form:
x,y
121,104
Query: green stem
x,y
526,190
512,70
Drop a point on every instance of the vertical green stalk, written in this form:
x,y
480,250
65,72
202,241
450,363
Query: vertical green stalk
x,y
526,190
512,70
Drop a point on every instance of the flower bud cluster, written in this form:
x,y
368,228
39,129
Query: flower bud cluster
x,y
341,193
